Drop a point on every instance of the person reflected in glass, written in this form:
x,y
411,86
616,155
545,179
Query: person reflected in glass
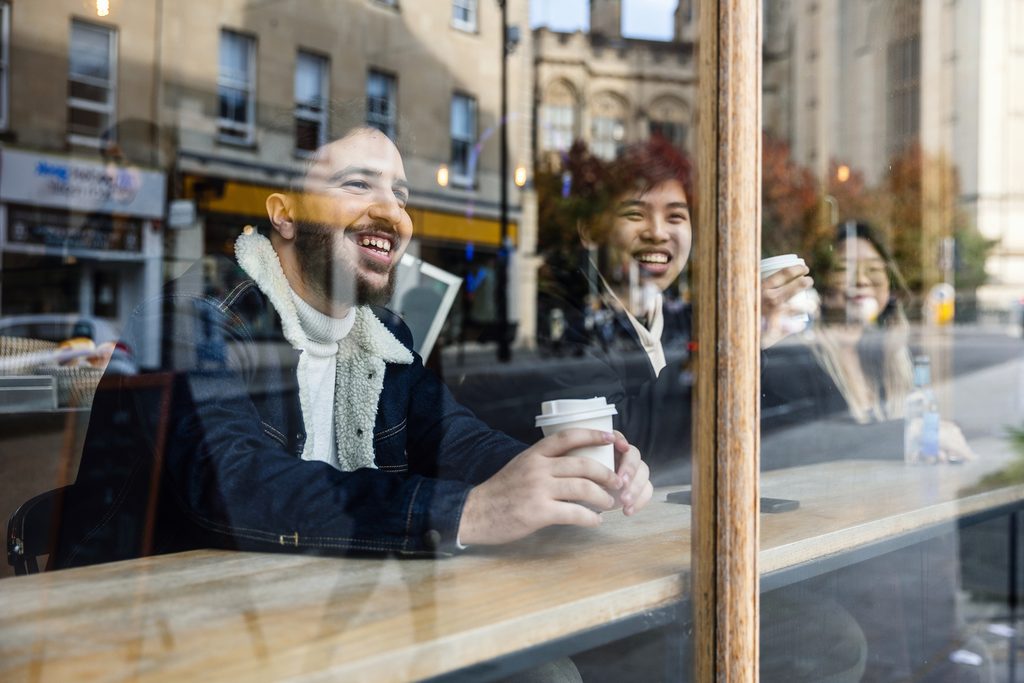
x,y
860,343
320,431
637,249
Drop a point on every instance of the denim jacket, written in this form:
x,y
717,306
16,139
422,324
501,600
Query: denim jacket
x,y
206,452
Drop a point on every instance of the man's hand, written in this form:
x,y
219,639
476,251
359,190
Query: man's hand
x,y
777,289
542,486
636,491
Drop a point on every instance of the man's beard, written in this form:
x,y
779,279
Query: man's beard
x,y
330,276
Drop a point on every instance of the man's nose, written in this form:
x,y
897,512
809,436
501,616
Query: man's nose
x,y
385,208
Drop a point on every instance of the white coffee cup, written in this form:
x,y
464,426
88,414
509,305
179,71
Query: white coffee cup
x,y
588,413
799,302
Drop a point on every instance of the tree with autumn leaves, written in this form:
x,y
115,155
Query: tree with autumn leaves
x,y
913,207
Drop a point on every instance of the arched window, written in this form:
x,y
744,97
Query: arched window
x,y
608,125
557,119
669,117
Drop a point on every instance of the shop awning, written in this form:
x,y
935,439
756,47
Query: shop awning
x,y
245,199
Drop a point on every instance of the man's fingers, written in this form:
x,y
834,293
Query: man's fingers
x,y
621,444
642,499
571,513
583,491
634,475
570,439
628,462
575,466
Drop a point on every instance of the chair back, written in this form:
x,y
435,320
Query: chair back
x,y
31,530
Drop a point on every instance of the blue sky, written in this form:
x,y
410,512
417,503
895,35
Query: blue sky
x,y
640,18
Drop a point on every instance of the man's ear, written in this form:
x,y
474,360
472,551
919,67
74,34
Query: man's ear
x,y
279,209
586,235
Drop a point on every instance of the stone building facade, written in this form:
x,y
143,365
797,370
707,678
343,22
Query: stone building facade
x,y
608,90
233,92
853,82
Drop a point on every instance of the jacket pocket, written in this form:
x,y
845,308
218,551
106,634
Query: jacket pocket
x,y
274,434
389,448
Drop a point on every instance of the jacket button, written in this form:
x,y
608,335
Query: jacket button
x,y
370,376
432,539
359,432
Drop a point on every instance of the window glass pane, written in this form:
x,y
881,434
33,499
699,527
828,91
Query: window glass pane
x,y
234,56
284,288
92,93
381,107
309,78
891,388
90,51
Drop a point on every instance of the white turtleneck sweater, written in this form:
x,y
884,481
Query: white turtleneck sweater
x,y
324,333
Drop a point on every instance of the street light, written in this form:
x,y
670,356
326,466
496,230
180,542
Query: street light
x,y
509,40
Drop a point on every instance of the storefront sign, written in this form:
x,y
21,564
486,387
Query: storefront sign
x,y
73,232
80,185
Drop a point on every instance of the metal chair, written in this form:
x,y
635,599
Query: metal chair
x,y
31,530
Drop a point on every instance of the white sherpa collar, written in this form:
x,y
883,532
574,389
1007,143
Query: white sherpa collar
x,y
258,259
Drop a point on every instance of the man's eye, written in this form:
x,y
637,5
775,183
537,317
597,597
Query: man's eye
x,y
679,218
402,198
633,215
356,184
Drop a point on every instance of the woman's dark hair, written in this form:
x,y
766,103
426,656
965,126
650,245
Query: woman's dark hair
x,y
645,165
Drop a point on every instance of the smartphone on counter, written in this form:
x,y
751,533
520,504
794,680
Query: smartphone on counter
x,y
767,504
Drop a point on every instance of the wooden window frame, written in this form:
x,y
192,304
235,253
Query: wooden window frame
x,y
726,409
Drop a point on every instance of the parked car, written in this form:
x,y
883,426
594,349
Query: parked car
x,y
58,327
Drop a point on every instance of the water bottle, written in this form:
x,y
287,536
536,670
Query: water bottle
x,y
921,418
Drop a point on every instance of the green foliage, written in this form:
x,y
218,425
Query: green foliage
x,y
972,252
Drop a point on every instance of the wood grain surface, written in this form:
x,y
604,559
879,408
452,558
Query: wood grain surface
x,y
727,250
223,616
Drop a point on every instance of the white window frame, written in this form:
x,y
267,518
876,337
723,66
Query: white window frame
x,y
467,137
470,7
607,146
313,111
390,119
5,56
555,130
248,128
110,106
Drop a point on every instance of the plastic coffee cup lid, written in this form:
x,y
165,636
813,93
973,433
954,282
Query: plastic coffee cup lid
x,y
571,410
776,263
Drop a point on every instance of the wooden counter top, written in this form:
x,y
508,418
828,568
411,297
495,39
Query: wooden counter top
x,y
223,616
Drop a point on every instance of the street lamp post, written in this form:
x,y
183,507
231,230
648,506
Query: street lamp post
x,y
504,347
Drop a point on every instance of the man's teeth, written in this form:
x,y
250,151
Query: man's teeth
x,y
653,258
382,244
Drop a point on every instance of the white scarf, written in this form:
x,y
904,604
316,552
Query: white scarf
x,y
361,355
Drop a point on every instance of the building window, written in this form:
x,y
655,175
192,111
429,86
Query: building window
x,y
463,129
607,135
92,75
672,131
236,88
381,107
903,76
558,127
464,15
311,83
5,38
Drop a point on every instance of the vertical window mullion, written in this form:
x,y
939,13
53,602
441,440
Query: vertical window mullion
x,y
5,39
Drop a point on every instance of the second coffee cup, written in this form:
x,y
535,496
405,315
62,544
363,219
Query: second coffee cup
x,y
588,413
